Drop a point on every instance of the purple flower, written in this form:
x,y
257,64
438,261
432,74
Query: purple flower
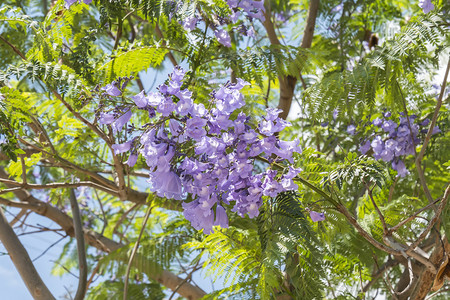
x,y
387,155
132,159
121,148
221,217
335,114
190,23
425,122
426,5
316,217
377,122
389,126
400,167
364,147
435,130
69,3
223,37
194,128
122,120
270,186
377,144
106,119
166,184
112,90
166,107
155,99
140,100
351,129
235,16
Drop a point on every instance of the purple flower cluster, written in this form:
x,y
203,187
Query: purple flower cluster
x,y
426,5
208,153
399,140
69,3
254,9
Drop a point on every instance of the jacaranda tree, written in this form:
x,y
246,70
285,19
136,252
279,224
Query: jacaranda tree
x,y
155,135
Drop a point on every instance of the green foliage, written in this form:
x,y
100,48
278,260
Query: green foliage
x,y
381,71
56,76
114,290
356,169
48,50
132,61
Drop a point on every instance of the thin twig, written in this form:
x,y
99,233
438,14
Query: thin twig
x,y
17,217
134,251
188,277
433,221
396,227
383,221
160,35
435,116
79,236
56,185
49,247
13,47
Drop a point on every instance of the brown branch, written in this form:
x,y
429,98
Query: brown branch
x,y
17,217
434,119
101,242
161,36
17,51
383,221
22,205
287,83
56,185
68,164
22,261
79,236
342,209
434,220
413,216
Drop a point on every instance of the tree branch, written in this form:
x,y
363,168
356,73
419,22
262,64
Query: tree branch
x,y
434,119
22,261
287,83
94,239
79,236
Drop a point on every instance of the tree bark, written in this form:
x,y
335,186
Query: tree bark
x,y
22,261
287,83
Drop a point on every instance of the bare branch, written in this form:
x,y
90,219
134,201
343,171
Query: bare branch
x,y
375,276
101,242
56,185
79,236
17,217
22,261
